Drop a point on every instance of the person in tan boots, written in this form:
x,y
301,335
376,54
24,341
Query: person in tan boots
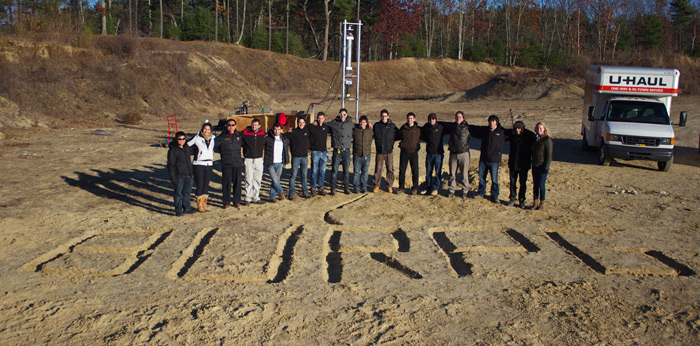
x,y
541,159
203,151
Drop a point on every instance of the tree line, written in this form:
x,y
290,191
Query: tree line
x,y
531,33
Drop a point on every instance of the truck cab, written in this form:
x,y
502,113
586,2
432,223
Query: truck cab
x,y
626,114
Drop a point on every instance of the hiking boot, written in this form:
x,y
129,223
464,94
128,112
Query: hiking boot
x,y
322,191
273,200
494,199
291,197
281,196
332,192
521,203
363,191
179,213
541,206
313,192
536,205
450,194
347,191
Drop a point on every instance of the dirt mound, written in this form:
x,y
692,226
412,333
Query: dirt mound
x,y
64,86
513,88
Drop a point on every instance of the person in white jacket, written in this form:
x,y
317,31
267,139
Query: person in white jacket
x,y
203,145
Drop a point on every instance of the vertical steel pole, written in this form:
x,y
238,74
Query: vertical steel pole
x,y
344,33
357,74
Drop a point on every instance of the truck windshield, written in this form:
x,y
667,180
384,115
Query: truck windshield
x,y
638,112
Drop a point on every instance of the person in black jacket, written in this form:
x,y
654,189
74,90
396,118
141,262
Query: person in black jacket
x,y
384,135
409,137
541,159
318,137
459,153
253,146
432,133
521,142
299,146
276,156
361,153
180,172
228,145
492,139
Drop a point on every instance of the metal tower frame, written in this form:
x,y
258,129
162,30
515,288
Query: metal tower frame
x,y
346,31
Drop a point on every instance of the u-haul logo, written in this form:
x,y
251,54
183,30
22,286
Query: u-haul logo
x,y
637,81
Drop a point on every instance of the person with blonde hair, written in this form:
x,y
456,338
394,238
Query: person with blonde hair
x,y
541,159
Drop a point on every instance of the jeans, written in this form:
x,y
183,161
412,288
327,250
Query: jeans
x,y
275,172
459,161
319,159
303,163
404,159
182,192
539,179
360,166
433,162
338,156
484,169
253,179
202,177
515,175
380,161
231,176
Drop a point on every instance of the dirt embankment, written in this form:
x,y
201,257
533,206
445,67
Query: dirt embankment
x,y
52,85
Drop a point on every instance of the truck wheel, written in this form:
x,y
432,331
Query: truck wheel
x,y
604,158
665,166
584,142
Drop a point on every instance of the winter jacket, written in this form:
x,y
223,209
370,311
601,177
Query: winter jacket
x,y
203,150
491,142
459,137
270,149
341,133
362,141
520,149
432,135
299,141
179,163
409,137
384,136
228,145
318,135
253,143
542,152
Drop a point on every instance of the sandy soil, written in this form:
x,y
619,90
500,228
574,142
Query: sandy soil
x,y
91,252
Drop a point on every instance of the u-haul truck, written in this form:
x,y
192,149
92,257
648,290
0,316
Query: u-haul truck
x,y
626,113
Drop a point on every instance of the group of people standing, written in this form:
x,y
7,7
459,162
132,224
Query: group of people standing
x,y
250,152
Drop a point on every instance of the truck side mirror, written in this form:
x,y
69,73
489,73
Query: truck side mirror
x,y
590,113
683,119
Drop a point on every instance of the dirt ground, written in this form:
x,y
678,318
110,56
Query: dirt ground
x,y
91,253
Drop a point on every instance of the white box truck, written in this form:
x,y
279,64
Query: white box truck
x,y
626,113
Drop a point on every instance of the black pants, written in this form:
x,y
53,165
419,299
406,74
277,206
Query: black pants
x,y
202,177
515,175
232,175
404,159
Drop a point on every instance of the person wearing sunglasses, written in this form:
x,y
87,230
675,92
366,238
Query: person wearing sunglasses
x,y
228,145
180,172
